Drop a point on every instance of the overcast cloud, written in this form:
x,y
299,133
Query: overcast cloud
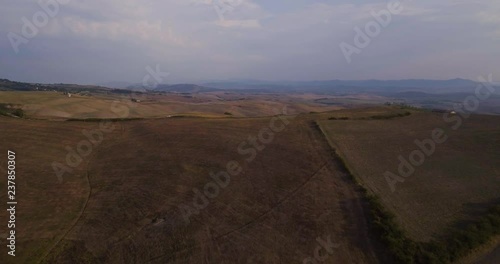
x,y
91,41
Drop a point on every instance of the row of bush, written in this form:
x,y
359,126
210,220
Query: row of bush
x,y
375,117
95,119
456,244
460,242
391,116
338,118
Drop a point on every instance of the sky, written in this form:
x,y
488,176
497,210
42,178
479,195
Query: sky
x,y
99,41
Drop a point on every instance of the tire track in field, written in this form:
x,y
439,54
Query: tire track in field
x,y
254,220
249,223
87,176
77,219
287,197
356,207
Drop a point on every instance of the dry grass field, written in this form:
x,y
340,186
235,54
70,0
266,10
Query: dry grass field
x,y
46,209
56,105
121,205
455,184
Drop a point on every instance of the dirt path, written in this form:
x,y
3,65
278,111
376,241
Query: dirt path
x,y
357,208
252,221
85,205
492,257
80,214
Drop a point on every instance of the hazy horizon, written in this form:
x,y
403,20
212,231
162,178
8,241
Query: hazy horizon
x,y
242,81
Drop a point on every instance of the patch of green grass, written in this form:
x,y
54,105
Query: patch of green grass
x,y
8,110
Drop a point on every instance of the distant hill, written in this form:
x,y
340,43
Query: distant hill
x,y
410,83
380,87
184,88
117,85
8,85
347,86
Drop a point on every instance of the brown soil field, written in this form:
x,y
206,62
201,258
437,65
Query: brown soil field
x,y
121,204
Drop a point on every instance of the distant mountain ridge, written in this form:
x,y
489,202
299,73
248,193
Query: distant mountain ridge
x,y
409,83
428,94
184,88
457,85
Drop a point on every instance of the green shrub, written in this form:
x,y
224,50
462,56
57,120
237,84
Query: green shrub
x,y
7,110
18,112
391,116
